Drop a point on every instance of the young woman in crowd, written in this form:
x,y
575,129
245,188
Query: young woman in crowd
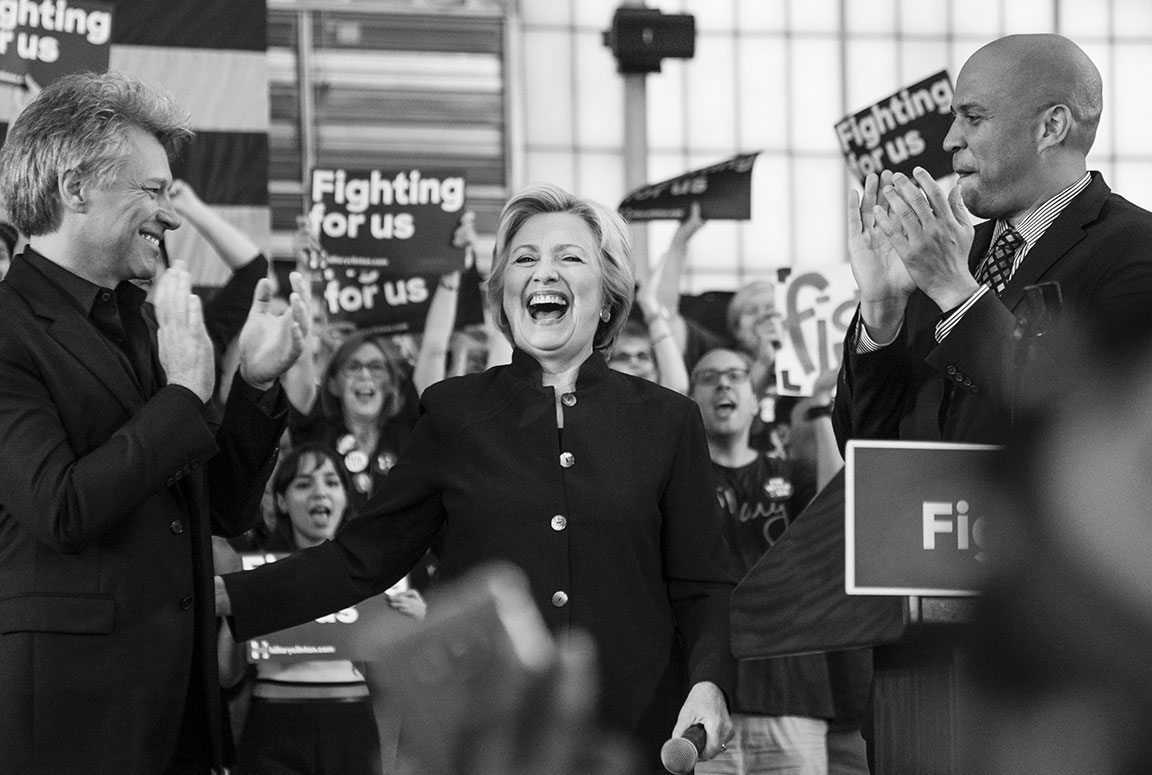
x,y
314,717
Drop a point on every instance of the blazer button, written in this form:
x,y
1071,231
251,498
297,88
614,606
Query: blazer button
x,y
176,527
559,523
185,603
567,460
560,599
951,370
568,399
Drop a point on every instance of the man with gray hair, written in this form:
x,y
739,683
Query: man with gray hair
x,y
115,470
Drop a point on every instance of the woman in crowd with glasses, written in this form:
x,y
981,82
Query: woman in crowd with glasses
x,y
365,411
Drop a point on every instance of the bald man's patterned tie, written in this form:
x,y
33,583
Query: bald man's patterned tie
x,y
996,269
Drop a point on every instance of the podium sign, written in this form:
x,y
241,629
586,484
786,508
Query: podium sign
x,y
915,517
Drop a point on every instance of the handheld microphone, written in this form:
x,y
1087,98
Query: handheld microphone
x,y
679,754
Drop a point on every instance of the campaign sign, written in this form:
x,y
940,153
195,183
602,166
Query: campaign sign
x,y
816,306
330,637
901,132
388,238
41,41
723,190
366,298
916,517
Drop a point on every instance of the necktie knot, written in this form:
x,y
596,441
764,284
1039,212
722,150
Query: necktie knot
x,y
996,269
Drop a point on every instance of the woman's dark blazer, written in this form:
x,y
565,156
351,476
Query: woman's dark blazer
x,y
612,518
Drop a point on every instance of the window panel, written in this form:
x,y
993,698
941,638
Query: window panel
x,y
871,16
547,88
819,16
815,93
1133,181
664,166
923,17
872,74
760,16
1023,16
762,92
1133,18
666,125
921,58
600,176
820,219
978,17
599,95
713,15
1080,20
549,12
1132,114
595,14
557,167
768,237
711,93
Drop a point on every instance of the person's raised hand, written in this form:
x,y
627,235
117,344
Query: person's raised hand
x,y
185,348
270,343
932,233
184,197
884,283
691,224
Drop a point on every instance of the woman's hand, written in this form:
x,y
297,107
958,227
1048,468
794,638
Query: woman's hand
x,y
706,705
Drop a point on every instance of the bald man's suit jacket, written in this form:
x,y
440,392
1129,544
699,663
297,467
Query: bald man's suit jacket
x,y
966,388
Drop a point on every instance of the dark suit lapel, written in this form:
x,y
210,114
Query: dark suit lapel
x,y
64,322
1064,233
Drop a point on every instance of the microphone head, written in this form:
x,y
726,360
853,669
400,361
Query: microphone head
x,y
678,756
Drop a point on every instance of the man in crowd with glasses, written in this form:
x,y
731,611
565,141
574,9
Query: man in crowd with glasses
x,y
785,709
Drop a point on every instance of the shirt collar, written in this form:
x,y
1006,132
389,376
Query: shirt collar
x,y
527,368
1032,227
83,292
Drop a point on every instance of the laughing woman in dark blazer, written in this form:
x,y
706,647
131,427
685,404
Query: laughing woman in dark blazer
x,y
595,483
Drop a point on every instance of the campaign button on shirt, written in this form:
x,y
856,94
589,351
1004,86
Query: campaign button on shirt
x,y
356,461
346,444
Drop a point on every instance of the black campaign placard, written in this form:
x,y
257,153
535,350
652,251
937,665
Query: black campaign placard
x,y
902,131
39,42
724,191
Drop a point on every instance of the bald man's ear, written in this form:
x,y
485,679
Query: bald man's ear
x,y
72,191
1055,124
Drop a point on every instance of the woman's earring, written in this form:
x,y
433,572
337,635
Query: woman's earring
x,y
605,314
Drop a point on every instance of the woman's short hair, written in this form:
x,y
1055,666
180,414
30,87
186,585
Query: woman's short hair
x,y
79,122
610,232
332,405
